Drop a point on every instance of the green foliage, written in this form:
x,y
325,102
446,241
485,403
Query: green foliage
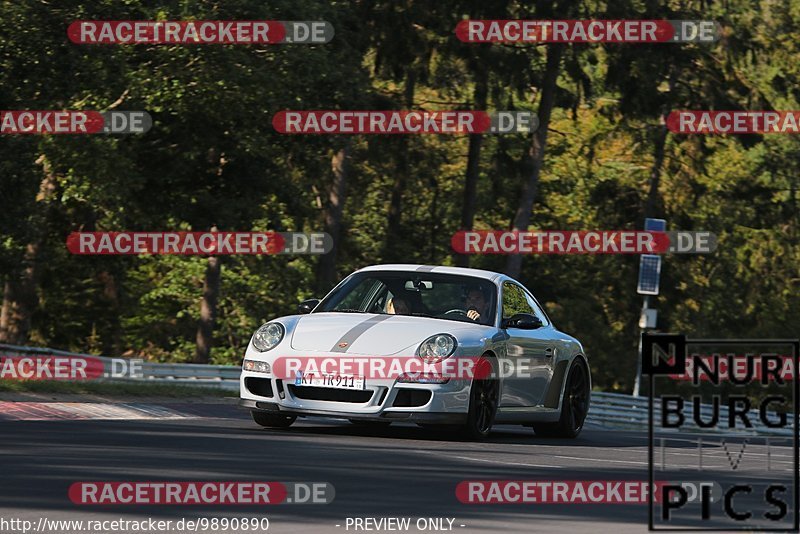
x,y
212,158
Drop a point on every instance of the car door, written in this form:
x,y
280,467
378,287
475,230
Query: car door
x,y
527,368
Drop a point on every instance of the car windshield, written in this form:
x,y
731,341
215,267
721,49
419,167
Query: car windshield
x,y
444,296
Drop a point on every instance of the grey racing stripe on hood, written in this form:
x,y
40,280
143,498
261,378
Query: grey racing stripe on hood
x,y
354,333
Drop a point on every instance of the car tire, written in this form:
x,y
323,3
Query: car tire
x,y
484,396
270,420
574,407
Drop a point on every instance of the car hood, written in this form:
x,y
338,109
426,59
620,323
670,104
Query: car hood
x,y
369,334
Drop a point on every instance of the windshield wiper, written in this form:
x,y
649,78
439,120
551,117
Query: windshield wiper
x,y
348,310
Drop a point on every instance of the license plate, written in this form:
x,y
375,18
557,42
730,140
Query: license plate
x,y
329,381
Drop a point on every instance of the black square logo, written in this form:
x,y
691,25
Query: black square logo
x,y
723,434
663,354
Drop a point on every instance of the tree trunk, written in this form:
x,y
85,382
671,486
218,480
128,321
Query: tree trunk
x,y
394,216
208,310
112,340
473,163
332,214
19,292
653,207
5,310
534,159
19,300
653,204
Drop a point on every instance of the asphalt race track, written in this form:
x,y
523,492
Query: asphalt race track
x,y
399,471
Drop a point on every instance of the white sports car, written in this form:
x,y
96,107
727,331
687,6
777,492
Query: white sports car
x,y
429,345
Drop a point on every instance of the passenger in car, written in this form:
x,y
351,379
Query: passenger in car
x,y
398,306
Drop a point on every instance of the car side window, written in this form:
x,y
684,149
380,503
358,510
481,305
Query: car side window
x,y
358,298
514,300
537,310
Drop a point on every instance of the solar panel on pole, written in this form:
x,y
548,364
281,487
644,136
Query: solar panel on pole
x,y
649,274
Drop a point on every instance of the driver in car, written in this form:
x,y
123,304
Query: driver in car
x,y
476,304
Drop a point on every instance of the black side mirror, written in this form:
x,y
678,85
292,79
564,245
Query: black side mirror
x,y
307,305
523,321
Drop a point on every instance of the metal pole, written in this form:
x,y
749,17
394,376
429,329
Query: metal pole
x,y
769,455
699,454
637,383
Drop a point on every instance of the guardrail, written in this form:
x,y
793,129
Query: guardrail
x,y
616,410
609,410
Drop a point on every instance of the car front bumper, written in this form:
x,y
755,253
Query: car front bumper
x,y
381,400
398,416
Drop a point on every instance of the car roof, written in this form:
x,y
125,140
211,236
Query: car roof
x,y
463,271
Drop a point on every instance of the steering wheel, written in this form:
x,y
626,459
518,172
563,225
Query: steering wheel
x,y
456,311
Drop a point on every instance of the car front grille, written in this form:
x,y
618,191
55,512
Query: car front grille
x,y
411,398
330,394
258,386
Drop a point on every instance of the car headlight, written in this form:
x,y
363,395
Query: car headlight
x,y
268,336
256,366
437,348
